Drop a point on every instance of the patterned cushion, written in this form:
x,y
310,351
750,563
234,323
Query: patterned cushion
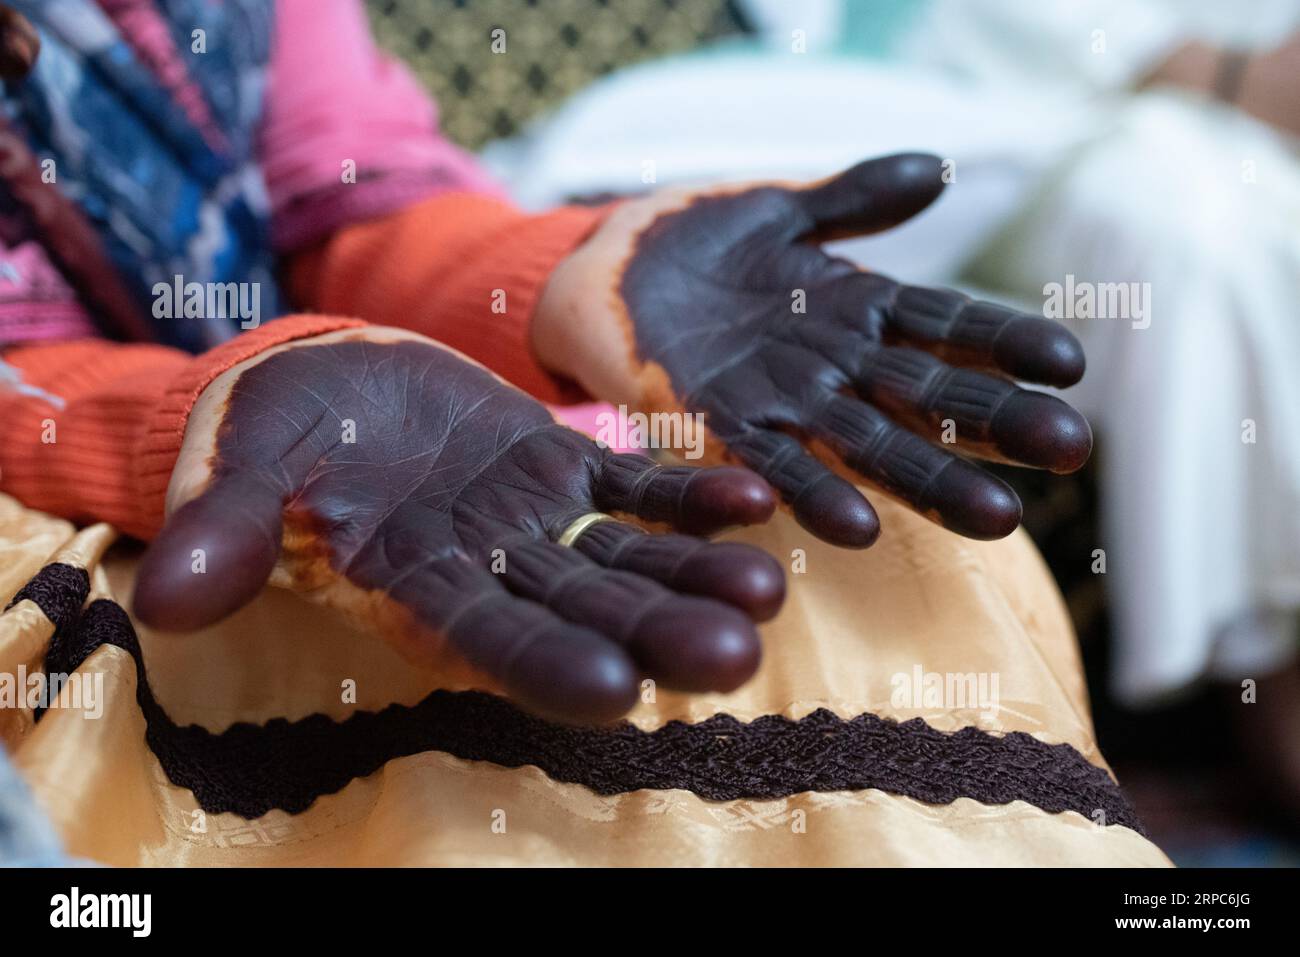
x,y
552,50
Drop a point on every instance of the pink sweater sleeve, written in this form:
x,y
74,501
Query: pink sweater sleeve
x,y
36,302
336,104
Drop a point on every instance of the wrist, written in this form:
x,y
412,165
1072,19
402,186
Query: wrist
x,y
1265,87
546,329
1193,66
577,332
581,329
1230,74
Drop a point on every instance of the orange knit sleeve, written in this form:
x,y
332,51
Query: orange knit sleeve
x,y
91,429
465,269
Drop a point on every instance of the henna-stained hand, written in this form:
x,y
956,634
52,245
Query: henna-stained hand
x,y
723,303
389,477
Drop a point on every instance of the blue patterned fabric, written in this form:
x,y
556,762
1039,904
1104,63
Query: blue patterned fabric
x,y
164,200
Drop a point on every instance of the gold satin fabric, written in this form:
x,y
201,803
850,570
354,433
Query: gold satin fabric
x,y
920,597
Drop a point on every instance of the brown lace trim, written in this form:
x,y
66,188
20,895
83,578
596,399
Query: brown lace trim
x,y
59,591
251,769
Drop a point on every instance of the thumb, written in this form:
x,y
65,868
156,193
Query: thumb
x,y
213,556
874,195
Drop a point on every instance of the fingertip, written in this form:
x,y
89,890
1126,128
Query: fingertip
x,y
746,577
1037,350
836,512
875,194
724,496
917,170
973,503
1042,431
912,180
214,556
175,592
696,644
595,683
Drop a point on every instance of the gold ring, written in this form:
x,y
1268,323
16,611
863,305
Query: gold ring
x,y
580,525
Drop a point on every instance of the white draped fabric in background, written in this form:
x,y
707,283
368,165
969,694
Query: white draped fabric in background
x,y
1202,524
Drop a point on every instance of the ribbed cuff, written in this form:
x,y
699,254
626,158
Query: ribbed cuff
x,y
463,268
518,257
66,438
159,444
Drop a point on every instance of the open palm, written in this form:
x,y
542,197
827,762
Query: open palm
x,y
387,476
808,368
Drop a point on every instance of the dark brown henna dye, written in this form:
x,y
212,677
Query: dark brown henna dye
x,y
710,291
405,471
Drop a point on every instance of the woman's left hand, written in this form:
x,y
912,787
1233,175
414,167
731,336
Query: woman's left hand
x,y
804,366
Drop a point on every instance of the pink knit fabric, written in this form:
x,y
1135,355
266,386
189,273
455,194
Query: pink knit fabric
x,y
36,303
334,99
